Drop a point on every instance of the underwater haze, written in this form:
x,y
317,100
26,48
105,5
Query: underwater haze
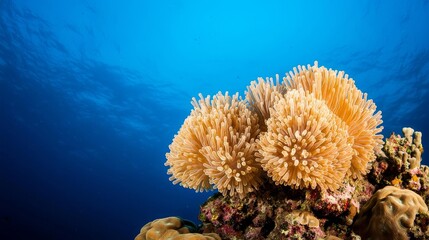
x,y
92,93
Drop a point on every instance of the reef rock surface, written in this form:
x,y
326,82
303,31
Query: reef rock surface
x,y
396,187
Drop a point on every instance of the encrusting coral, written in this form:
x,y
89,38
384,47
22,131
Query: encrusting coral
x,y
305,144
347,102
172,228
216,146
389,214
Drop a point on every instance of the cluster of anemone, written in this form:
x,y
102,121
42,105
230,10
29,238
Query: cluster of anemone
x,y
312,130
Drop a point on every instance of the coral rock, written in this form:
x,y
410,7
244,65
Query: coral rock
x,y
297,225
279,212
331,204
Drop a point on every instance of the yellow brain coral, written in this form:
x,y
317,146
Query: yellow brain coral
x,y
347,102
305,144
171,228
216,145
389,213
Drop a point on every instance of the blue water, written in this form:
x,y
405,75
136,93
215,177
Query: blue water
x,y
92,93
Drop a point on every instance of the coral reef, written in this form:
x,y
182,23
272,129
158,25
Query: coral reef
x,y
279,212
172,228
301,159
389,214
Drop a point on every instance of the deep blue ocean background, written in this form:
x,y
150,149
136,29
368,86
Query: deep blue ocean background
x,y
92,93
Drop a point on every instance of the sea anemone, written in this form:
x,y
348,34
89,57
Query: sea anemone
x,y
347,102
185,159
261,96
305,145
216,146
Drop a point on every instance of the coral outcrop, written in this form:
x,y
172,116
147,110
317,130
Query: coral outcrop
x,y
172,228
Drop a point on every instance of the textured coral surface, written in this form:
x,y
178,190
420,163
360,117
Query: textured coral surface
x,y
389,213
171,228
